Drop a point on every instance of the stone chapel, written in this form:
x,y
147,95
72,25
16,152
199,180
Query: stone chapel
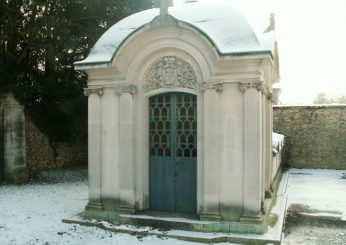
x,y
180,118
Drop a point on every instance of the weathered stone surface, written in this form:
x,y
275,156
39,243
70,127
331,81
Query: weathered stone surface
x,y
14,140
316,135
40,154
18,176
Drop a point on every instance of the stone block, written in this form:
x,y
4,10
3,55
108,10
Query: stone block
x,y
18,176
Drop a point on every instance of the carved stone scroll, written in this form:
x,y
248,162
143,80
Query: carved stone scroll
x,y
89,91
170,72
119,89
243,86
207,85
270,96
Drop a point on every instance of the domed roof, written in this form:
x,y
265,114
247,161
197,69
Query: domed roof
x,y
225,28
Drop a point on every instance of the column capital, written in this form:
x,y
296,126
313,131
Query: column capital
x,y
218,87
270,96
244,86
124,88
89,91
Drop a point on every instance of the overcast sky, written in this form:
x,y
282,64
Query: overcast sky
x,y
312,44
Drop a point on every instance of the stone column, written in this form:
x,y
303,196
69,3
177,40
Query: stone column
x,y
14,141
252,151
94,148
110,120
127,152
212,154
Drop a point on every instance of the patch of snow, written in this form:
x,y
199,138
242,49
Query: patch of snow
x,y
277,141
322,214
324,191
309,105
33,213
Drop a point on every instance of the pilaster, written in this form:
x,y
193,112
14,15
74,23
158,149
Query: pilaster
x,y
252,151
127,152
212,155
270,143
110,128
268,146
94,147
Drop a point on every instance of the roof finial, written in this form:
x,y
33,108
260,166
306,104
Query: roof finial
x,y
164,8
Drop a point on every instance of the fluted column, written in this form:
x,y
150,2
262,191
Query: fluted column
x,y
252,151
212,155
94,147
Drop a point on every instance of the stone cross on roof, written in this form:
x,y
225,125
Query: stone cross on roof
x,y
164,7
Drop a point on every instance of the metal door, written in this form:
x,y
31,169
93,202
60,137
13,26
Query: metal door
x,y
1,147
173,152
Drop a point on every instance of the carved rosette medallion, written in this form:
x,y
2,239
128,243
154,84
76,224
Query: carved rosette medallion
x,y
170,72
89,91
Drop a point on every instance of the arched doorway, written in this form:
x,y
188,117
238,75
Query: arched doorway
x,y
173,152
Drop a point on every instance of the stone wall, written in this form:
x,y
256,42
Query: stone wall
x,y
13,137
41,154
316,135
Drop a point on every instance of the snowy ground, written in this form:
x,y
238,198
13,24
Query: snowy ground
x,y
32,213
317,207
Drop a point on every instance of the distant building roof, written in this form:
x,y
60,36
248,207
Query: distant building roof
x,y
222,25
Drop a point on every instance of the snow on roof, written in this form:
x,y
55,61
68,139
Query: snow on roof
x,y
225,27
277,142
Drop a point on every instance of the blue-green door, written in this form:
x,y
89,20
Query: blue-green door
x,y
173,152
1,147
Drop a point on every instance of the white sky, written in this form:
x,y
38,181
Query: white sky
x,y
312,44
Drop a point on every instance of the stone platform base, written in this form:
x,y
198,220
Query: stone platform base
x,y
192,229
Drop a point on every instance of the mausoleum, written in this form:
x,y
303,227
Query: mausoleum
x,y
180,118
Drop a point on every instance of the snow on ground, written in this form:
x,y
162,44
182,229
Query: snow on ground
x,y
316,207
324,191
32,213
